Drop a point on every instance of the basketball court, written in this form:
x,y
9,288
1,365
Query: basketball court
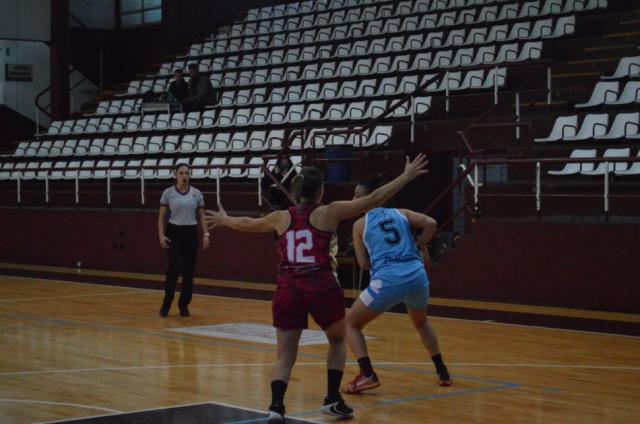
x,y
87,353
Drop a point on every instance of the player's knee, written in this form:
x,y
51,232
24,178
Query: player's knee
x,y
286,361
335,338
350,321
419,323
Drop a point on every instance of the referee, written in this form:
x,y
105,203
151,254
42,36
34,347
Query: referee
x,y
184,206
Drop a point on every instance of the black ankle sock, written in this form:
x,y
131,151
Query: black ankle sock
x,y
334,377
365,366
439,363
278,388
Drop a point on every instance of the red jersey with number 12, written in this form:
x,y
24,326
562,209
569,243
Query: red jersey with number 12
x,y
304,249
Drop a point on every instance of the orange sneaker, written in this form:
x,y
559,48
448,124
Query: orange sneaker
x,y
361,383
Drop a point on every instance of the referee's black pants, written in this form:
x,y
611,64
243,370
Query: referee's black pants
x,y
182,253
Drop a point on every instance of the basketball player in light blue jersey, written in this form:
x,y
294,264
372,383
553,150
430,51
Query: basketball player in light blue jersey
x,y
383,242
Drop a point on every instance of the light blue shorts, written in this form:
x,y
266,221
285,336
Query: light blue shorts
x,y
414,294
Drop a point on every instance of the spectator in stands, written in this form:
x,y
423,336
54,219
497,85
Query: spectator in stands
x,y
284,172
201,91
178,87
185,207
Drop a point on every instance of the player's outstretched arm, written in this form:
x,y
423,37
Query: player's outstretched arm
x,y
265,224
346,209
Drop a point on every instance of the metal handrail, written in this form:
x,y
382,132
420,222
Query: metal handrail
x,y
476,122
473,167
101,44
71,71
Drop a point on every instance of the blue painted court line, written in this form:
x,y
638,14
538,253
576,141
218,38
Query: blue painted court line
x,y
456,376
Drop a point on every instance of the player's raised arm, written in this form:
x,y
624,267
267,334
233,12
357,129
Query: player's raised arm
x,y
346,209
266,224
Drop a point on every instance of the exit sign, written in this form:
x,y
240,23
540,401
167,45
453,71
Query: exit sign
x,y
18,72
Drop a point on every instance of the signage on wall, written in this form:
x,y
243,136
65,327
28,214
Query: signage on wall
x,y
18,72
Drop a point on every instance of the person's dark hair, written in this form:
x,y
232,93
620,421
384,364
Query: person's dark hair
x,y
192,66
307,183
375,181
177,71
180,165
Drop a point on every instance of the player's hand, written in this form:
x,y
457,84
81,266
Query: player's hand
x,y
418,166
215,219
164,242
424,252
205,243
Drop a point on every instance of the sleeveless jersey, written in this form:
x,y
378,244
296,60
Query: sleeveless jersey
x,y
392,252
304,249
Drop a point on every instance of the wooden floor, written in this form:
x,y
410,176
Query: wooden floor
x,y
73,350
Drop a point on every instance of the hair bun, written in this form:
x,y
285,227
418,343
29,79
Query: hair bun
x,y
377,177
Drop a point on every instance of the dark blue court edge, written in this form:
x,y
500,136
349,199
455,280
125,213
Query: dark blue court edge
x,y
209,413
549,321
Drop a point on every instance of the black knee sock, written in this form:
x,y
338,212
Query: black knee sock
x,y
334,377
278,388
365,366
439,363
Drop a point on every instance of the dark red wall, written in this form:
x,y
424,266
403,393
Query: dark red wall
x,y
126,241
584,266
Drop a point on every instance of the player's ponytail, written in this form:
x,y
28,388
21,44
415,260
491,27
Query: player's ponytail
x,y
306,184
375,181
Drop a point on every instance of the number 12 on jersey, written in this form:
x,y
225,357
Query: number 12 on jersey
x,y
299,245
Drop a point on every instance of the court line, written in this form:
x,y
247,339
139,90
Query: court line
x,y
121,413
74,405
414,398
387,365
201,340
567,366
255,420
435,301
144,367
494,385
55,280
24,299
168,407
506,324
194,339
391,313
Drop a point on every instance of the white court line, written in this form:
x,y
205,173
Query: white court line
x,y
24,299
74,405
506,324
168,407
565,366
302,364
149,367
391,313
122,412
54,280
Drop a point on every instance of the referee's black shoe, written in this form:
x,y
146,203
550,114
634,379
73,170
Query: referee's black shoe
x,y
184,310
164,310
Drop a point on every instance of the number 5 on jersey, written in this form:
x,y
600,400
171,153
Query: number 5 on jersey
x,y
299,245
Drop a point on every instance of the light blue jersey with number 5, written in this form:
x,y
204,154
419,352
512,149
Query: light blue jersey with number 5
x,y
392,252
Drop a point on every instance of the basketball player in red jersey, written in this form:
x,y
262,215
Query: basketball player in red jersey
x,y
306,280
